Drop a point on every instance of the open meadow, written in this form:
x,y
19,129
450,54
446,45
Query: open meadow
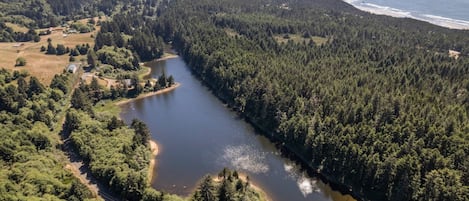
x,y
38,64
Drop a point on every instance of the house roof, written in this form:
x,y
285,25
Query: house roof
x,y
72,67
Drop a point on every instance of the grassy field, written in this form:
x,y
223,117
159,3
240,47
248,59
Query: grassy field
x,y
108,107
101,82
39,64
297,38
231,32
17,28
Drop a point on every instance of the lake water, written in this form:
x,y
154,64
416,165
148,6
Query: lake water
x,y
447,13
198,135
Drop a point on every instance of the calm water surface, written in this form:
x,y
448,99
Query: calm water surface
x,y
198,135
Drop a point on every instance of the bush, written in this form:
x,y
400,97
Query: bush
x,y
20,61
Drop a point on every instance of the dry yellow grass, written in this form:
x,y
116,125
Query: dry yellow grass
x,y
17,28
101,82
40,65
231,32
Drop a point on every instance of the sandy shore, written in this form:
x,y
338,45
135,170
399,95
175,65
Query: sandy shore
x,y
394,12
161,91
168,56
258,189
154,152
148,71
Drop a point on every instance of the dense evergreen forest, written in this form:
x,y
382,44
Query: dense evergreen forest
x,y
47,13
372,102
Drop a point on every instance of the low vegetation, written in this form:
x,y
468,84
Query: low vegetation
x,y
20,61
120,58
30,165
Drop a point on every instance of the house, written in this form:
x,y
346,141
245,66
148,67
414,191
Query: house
x,y
72,31
454,54
72,68
127,82
47,32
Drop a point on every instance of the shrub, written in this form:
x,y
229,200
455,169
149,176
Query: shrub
x,y
20,61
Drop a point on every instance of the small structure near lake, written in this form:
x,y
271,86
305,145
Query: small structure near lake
x,y
72,68
454,54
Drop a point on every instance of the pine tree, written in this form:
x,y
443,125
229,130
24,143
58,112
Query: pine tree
x,y
51,49
92,58
35,87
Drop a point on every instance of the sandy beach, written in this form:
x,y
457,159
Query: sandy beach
x,y
161,91
154,152
394,12
168,56
145,65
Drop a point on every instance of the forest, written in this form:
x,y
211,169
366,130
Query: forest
x,y
371,102
51,13
31,165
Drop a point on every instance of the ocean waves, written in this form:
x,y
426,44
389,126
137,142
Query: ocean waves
x,y
394,12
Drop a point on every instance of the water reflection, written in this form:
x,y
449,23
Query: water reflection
x,y
245,158
201,136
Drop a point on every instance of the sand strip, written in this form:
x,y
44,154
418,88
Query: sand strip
x,y
154,152
144,95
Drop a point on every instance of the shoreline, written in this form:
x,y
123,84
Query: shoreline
x,y
167,56
155,149
148,68
145,95
441,21
145,74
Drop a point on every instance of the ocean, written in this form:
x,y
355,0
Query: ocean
x,y
448,13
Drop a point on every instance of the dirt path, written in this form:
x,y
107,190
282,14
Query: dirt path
x,y
78,168
81,171
144,95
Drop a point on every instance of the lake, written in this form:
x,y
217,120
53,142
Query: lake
x,y
199,135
